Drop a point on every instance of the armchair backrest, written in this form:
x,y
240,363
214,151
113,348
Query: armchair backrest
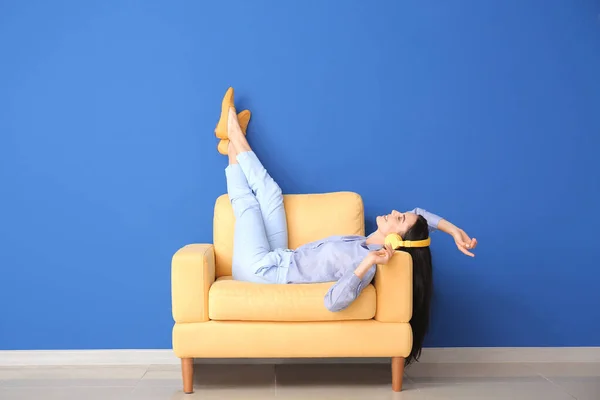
x,y
310,217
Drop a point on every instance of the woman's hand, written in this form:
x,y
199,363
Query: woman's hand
x,y
381,256
463,242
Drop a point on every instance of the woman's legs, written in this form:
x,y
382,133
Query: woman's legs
x,y
267,191
250,240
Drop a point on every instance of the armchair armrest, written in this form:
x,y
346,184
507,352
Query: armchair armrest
x,y
192,274
394,289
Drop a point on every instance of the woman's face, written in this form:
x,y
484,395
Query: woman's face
x,y
396,222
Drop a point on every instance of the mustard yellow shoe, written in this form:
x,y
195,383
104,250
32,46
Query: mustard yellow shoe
x,y
244,120
221,129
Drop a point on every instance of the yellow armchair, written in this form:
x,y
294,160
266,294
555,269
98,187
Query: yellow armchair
x,y
218,317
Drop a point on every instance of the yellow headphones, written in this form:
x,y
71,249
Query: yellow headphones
x,y
396,241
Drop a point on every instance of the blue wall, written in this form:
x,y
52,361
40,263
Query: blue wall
x,y
488,112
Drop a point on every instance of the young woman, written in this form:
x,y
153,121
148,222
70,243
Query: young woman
x,y
261,255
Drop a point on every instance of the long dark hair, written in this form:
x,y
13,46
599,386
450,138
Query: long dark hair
x,y
422,286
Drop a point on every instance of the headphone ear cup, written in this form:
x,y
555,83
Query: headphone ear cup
x,y
394,240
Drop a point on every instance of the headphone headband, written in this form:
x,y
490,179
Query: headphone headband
x,y
396,242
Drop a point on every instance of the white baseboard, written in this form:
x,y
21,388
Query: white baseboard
x,y
86,357
430,355
510,355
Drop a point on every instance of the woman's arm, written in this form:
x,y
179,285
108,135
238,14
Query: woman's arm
x,y
433,220
349,286
462,240
347,289
447,227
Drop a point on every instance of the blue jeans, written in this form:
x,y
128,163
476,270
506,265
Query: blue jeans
x,y
260,240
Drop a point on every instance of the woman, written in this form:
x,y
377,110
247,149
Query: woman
x,y
260,241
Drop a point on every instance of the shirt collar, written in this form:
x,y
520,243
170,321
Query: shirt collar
x,y
372,247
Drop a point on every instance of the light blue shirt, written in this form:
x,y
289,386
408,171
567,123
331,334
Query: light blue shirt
x,y
335,259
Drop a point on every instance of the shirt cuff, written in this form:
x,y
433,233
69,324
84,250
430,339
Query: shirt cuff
x,y
433,220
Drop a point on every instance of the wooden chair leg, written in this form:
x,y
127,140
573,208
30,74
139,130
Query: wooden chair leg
x,y
397,373
187,371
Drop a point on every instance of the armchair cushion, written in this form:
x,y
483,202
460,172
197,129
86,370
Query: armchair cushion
x,y
231,300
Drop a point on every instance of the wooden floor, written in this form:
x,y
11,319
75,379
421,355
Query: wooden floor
x,y
305,382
